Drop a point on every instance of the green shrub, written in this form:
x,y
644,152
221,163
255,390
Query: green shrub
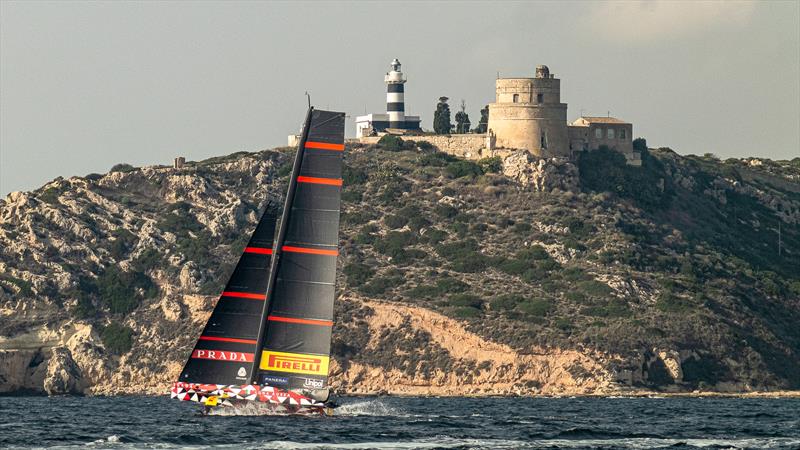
x,y
473,301
514,266
123,243
50,195
536,307
465,312
522,228
472,263
117,338
669,302
120,290
491,164
435,159
357,274
446,211
506,302
575,296
84,308
594,288
395,221
425,146
418,222
122,167
391,143
613,308
353,176
379,285
458,169
534,253
148,260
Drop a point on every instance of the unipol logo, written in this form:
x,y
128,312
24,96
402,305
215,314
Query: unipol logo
x,y
242,372
312,383
222,355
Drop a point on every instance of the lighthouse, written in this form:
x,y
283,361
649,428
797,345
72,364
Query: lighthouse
x,y
395,104
395,117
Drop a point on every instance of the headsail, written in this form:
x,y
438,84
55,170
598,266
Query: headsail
x,y
296,341
225,351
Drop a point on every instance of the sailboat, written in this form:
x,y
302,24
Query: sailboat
x,y
268,338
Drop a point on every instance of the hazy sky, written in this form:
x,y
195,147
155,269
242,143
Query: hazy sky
x,y
86,85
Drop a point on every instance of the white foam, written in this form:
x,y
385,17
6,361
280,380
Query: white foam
x,y
368,408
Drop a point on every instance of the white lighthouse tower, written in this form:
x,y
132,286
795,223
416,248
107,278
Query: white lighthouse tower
x,y
395,117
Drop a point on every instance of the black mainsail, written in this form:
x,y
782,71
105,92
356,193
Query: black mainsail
x,y
269,335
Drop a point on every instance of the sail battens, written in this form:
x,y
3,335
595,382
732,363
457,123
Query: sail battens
x,y
234,340
258,250
244,295
325,146
322,323
318,180
310,251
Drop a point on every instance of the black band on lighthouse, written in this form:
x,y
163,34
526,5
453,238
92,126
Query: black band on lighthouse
x,y
394,88
395,106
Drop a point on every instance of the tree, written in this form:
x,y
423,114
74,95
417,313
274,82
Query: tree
x,y
441,118
483,125
462,119
640,144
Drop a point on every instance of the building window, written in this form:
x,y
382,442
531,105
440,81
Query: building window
x,y
539,98
543,143
622,134
611,133
516,98
598,133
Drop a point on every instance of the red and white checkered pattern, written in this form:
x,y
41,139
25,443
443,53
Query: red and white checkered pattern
x,y
196,392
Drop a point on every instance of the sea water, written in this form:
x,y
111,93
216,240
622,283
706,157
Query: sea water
x,y
406,423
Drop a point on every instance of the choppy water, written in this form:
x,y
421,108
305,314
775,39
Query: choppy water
x,y
407,423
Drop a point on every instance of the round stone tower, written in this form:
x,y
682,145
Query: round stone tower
x,y
528,114
395,104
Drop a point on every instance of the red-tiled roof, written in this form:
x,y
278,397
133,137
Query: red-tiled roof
x,y
602,120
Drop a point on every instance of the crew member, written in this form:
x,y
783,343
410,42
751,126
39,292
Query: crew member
x,y
211,401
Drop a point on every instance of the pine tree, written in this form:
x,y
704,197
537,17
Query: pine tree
x,y
441,117
483,125
462,119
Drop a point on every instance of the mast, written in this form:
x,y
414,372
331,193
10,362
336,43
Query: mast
x,y
278,247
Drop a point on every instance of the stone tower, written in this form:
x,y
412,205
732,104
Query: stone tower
x,y
528,114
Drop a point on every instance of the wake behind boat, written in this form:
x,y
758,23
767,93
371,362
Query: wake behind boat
x,y
268,338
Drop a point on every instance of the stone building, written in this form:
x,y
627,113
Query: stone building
x,y
588,133
528,114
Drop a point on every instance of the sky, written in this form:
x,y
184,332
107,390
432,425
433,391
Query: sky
x,y
84,86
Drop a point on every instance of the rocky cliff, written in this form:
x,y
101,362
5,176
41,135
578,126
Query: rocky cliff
x,y
501,276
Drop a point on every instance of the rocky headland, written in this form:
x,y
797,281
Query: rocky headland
x,y
502,276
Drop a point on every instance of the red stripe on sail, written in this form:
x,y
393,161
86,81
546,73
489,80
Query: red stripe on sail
x,y
244,295
310,251
324,323
315,180
259,250
325,146
221,339
222,355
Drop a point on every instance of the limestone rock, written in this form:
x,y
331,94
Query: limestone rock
x,y
63,374
543,175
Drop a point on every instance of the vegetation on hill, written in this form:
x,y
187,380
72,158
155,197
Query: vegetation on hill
x,y
680,255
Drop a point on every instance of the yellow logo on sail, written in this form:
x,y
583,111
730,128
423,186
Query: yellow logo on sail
x,y
294,363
